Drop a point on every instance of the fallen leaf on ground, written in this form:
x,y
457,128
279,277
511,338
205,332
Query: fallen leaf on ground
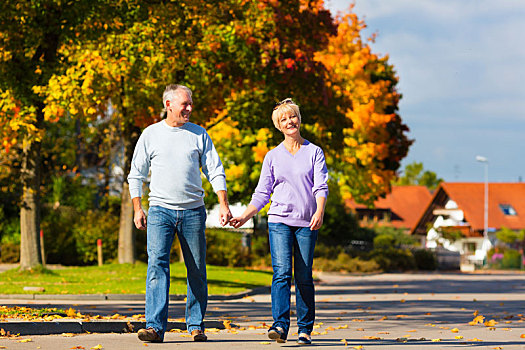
x,y
459,337
344,341
97,347
474,339
476,320
27,340
490,323
522,336
265,343
67,335
358,347
454,330
436,340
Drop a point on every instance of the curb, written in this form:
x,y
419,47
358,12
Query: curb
x,y
73,326
129,297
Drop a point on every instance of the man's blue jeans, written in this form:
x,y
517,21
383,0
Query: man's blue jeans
x,y
284,240
189,225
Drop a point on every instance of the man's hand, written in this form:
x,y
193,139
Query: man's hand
x,y
224,215
140,219
224,209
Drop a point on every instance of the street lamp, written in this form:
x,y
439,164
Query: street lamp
x,y
484,160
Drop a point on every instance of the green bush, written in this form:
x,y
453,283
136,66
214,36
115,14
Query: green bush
x,y
10,253
224,248
383,240
328,252
511,259
345,263
59,240
425,259
393,259
94,225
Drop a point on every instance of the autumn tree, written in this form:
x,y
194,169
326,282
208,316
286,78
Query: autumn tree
x,y
367,139
31,34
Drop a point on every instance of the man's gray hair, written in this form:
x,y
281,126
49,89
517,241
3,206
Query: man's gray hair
x,y
169,94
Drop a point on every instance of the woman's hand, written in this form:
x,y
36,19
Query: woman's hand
x,y
317,220
238,221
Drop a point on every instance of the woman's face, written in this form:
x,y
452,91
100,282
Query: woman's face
x,y
289,124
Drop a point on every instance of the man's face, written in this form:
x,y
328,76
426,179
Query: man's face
x,y
179,108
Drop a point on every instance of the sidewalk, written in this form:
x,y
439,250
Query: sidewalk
x,y
384,311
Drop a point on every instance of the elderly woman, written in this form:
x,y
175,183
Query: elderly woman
x,y
295,173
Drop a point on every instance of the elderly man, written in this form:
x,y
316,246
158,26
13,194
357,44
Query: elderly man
x,y
175,150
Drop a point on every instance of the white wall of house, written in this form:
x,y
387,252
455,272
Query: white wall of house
x,y
237,209
474,248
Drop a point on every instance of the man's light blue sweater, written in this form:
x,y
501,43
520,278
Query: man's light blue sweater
x,y
175,156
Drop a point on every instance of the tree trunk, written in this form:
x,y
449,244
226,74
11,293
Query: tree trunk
x,y
126,244
30,255
126,236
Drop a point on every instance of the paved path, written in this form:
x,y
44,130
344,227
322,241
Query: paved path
x,y
384,311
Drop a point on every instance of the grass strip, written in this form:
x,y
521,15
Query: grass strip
x,y
125,279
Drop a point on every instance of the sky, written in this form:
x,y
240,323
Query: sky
x,y
461,69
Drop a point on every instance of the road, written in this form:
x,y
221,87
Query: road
x,y
382,311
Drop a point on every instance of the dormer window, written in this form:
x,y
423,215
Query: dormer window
x,y
507,209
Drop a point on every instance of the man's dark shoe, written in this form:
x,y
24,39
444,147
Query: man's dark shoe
x,y
149,334
277,334
198,335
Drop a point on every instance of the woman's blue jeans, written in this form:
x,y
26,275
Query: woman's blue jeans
x,y
189,225
285,240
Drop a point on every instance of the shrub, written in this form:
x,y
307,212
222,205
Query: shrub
x,y
224,248
511,259
425,259
59,241
383,240
94,225
10,253
345,263
393,259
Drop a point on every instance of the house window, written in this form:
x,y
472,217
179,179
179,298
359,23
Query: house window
x,y
469,247
507,209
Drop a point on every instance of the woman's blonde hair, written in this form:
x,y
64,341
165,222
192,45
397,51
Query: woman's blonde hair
x,y
285,106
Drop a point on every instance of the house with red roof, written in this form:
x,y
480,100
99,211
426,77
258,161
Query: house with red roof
x,y
454,217
401,208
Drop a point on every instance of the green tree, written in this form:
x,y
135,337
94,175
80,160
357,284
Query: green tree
x,y
414,174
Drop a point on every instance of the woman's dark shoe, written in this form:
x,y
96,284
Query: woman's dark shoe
x,y
304,339
277,334
149,334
